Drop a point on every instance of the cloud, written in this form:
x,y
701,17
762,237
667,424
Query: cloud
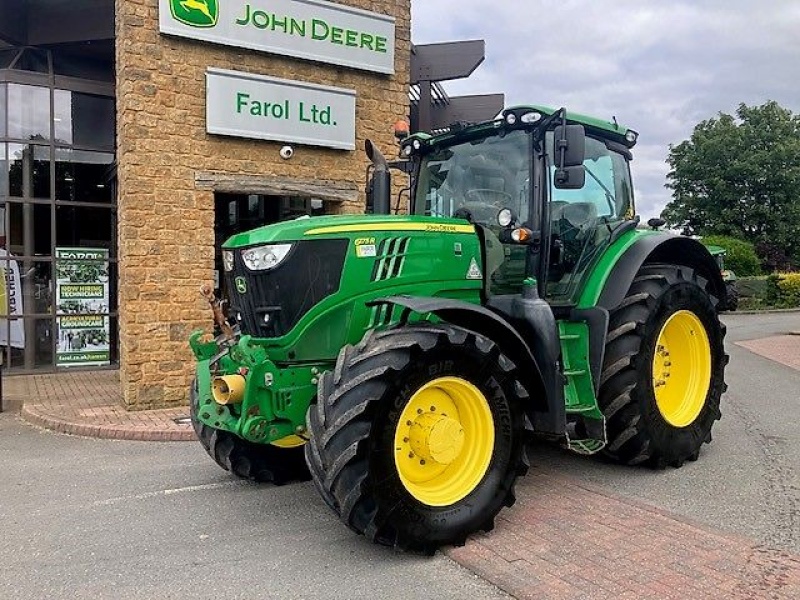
x,y
659,67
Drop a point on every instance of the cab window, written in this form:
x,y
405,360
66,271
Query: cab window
x,y
581,221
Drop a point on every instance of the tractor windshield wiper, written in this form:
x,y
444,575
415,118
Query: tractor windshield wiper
x,y
609,195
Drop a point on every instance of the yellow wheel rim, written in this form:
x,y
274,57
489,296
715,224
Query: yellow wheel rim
x,y
682,368
444,441
290,441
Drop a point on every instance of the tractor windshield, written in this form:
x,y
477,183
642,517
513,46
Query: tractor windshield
x,y
481,176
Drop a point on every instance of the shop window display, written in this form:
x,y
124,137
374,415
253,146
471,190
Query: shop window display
x,y
57,228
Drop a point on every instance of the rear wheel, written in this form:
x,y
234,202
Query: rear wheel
x,y
277,464
417,436
663,371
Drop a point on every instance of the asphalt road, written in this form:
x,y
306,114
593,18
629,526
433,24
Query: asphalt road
x,y
86,518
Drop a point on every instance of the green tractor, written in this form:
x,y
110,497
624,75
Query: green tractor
x,y
402,361
728,276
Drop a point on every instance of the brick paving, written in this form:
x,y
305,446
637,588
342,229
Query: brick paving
x,y
784,349
89,403
565,540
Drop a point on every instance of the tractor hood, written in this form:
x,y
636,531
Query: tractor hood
x,y
334,226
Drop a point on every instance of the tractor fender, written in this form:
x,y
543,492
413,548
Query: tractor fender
x,y
481,320
661,248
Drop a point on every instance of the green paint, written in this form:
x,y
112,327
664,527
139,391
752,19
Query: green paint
x,y
241,285
593,285
429,268
591,122
195,13
579,387
386,256
318,30
282,110
603,128
579,394
259,108
314,114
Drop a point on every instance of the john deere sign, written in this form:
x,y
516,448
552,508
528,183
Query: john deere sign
x,y
309,29
195,13
267,108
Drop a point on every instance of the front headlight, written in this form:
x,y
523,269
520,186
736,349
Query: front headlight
x,y
227,260
262,258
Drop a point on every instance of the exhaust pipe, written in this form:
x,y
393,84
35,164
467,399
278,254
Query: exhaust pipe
x,y
228,389
379,188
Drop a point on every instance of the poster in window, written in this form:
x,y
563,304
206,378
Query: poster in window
x,y
82,307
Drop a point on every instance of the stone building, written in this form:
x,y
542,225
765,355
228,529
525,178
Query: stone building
x,y
136,135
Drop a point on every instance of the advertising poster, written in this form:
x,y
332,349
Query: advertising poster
x,y
10,302
82,298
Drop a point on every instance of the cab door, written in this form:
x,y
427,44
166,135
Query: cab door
x,y
581,221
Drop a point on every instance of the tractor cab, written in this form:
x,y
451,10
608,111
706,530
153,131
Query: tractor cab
x,y
548,192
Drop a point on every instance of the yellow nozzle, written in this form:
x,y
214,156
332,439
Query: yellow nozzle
x,y
228,389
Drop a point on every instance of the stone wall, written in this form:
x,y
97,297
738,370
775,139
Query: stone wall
x,y
168,167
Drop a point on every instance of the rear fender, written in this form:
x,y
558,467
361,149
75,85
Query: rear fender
x,y
668,249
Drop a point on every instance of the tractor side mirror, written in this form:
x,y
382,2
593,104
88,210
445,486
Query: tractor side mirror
x,y
570,152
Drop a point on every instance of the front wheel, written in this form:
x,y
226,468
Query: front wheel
x,y
417,436
258,462
663,371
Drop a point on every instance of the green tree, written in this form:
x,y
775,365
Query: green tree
x,y
739,175
740,256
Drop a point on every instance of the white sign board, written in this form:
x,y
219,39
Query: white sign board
x,y
268,108
10,302
309,29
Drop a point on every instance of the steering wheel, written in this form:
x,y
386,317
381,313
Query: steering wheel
x,y
484,204
489,196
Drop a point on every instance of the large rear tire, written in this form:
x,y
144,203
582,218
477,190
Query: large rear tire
x,y
663,371
257,462
417,436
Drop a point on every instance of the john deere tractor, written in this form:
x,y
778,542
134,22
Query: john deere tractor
x,y
402,360
728,276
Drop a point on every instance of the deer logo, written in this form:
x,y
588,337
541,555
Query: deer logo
x,y
195,13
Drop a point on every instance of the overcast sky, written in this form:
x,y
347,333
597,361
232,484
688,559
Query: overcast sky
x,y
659,67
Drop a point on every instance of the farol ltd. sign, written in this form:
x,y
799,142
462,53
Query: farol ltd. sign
x,y
268,108
308,29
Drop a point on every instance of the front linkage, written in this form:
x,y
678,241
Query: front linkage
x,y
242,391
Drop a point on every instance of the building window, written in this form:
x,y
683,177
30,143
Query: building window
x,y
58,285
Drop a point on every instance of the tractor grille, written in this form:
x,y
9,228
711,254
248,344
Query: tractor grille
x,y
277,299
390,259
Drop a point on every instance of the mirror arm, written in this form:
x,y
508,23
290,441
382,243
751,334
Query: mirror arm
x,y
561,144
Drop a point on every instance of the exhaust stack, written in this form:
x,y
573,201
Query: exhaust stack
x,y
379,193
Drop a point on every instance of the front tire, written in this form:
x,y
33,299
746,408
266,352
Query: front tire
x,y
663,371
417,436
257,462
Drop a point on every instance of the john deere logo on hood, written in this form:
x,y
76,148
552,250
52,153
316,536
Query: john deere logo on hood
x,y
196,13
